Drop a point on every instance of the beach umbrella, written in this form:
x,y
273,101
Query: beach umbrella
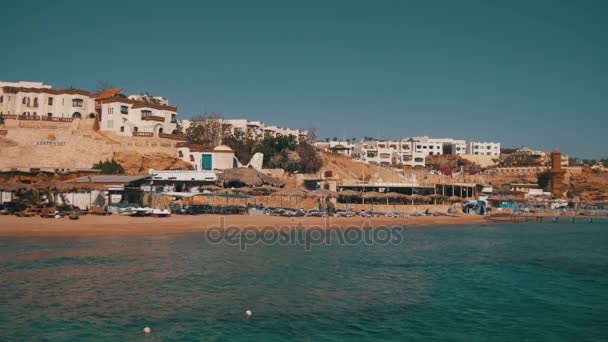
x,y
248,177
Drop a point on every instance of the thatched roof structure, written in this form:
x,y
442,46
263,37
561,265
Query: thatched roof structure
x,y
324,193
240,177
13,186
293,192
349,193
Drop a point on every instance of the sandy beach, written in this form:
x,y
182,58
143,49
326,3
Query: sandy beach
x,y
116,225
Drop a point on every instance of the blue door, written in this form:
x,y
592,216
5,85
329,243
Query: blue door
x,y
207,164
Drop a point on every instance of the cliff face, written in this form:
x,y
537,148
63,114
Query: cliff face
x,y
135,163
590,187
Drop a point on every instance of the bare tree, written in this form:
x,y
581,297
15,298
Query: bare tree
x,y
311,136
206,130
103,86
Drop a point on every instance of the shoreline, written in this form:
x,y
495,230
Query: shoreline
x,y
115,225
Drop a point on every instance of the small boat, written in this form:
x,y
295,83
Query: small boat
x,y
49,213
160,213
74,215
141,212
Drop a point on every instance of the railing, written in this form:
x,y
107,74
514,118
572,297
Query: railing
x,y
56,119
9,116
172,136
143,134
29,118
153,118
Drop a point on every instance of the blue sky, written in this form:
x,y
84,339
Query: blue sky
x,y
525,73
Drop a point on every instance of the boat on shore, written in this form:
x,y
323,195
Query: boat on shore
x,y
141,212
160,213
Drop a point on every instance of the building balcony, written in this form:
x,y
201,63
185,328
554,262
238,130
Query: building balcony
x,y
153,118
172,136
56,119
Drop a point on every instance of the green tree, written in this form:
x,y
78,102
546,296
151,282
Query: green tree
x,y
109,167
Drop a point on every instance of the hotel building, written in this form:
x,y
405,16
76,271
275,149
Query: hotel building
x,y
37,101
137,115
483,148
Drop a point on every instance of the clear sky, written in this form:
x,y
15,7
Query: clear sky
x,y
525,73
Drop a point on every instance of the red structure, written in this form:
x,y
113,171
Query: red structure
x,y
556,173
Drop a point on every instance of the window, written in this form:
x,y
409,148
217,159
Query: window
x,y
124,110
50,115
122,128
146,113
50,101
77,103
1,98
24,100
111,110
110,124
35,102
173,118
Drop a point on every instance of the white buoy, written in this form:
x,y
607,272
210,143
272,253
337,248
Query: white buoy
x,y
147,330
248,313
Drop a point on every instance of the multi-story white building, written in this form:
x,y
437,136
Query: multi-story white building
x,y
434,146
386,152
136,115
38,101
483,148
253,129
130,117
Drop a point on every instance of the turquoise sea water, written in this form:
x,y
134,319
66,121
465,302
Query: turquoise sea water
x,y
496,282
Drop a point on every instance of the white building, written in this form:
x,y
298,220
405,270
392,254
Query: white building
x,y
219,158
40,102
130,117
386,152
483,148
434,146
134,116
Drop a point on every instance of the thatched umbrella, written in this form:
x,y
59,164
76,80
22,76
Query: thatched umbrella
x,y
324,193
372,194
240,177
265,190
296,193
455,199
349,193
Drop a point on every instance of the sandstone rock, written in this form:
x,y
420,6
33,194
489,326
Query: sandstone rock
x,y
135,163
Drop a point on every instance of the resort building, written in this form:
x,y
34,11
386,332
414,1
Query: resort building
x,y
483,148
36,101
135,115
436,146
387,152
